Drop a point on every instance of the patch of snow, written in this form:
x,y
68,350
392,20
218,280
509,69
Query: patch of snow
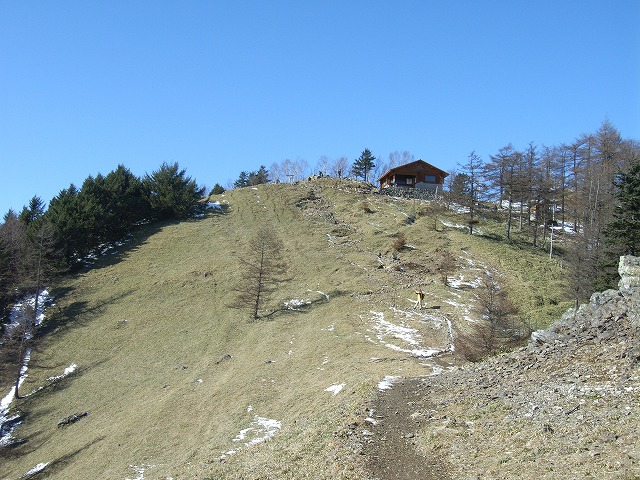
x,y
215,205
384,329
387,382
336,388
295,303
8,398
454,225
28,303
67,371
457,208
261,430
37,469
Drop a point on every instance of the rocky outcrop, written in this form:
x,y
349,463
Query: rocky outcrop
x,y
609,315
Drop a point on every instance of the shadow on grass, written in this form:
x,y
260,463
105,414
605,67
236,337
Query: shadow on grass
x,y
25,445
61,384
55,465
75,314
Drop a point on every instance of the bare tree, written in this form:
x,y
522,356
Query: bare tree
x,y
276,172
263,270
323,165
340,167
445,265
474,189
499,326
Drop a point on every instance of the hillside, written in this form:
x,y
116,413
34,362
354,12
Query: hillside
x,y
563,407
177,384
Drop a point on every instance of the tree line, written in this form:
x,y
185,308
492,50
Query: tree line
x,y
366,167
38,242
585,190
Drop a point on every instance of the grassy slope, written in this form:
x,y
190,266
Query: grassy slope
x,y
148,334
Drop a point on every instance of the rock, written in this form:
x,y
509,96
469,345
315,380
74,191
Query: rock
x,y
72,419
629,271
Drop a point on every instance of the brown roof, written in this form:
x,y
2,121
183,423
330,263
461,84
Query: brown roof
x,y
412,164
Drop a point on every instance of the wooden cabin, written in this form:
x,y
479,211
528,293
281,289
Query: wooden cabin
x,y
418,174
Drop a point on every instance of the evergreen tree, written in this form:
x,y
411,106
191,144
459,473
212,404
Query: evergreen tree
x,y
33,211
624,230
259,177
126,204
217,190
242,181
363,165
65,215
172,194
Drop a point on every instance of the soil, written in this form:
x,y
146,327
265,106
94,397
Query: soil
x,y
392,449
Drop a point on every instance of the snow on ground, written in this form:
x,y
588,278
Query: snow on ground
x,y
454,225
457,208
37,469
387,382
336,388
17,316
67,371
400,338
260,430
22,308
295,303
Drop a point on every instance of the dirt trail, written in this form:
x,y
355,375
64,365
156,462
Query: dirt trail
x,y
391,451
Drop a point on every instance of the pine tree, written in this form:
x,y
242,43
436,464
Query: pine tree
x,y
125,205
363,165
242,181
217,190
624,230
259,177
172,194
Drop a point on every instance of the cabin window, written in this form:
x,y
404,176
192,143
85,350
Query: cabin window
x,y
430,178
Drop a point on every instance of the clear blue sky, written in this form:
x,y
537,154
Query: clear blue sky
x,y
221,87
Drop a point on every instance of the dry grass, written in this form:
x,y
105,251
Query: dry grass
x,y
149,330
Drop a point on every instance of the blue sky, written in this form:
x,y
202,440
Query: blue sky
x,y
221,87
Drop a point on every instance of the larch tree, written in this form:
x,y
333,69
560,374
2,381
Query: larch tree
x,y
263,270
474,188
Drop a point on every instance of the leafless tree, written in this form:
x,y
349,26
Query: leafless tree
x,y
445,265
499,326
323,165
475,187
339,167
263,270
